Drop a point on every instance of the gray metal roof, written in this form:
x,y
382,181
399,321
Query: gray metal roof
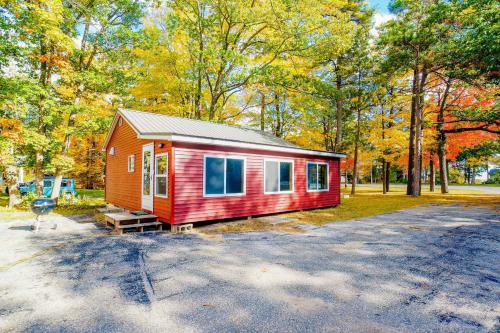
x,y
151,124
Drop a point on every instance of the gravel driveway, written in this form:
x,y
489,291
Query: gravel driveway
x,y
428,269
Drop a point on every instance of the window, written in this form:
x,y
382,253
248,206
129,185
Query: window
x,y
161,175
224,176
47,183
278,176
65,183
131,163
317,176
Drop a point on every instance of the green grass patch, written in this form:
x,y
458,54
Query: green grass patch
x,y
91,193
86,202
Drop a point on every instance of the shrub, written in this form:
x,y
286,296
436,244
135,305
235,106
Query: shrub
x,y
494,179
455,176
26,200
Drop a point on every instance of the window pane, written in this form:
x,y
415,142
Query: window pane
x,y
214,175
161,185
234,176
161,165
312,177
271,180
47,183
131,162
286,176
322,177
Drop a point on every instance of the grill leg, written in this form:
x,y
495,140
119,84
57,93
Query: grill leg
x,y
36,225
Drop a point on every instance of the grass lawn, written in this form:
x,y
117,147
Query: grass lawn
x,y
87,202
367,202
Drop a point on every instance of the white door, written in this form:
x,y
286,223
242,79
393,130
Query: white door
x,y
147,177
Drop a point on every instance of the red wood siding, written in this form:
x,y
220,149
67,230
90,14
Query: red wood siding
x,y
123,188
162,206
190,205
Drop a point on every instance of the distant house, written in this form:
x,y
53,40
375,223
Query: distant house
x,y
185,170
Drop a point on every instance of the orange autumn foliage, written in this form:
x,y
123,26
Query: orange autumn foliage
x,y
470,98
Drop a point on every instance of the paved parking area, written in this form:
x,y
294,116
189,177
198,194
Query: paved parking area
x,y
428,269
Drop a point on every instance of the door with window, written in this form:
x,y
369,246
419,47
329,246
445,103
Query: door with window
x,y
147,177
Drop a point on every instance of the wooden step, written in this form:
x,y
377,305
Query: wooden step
x,y
126,220
120,217
138,227
148,224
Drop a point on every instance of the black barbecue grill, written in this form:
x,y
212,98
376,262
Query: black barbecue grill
x,y
41,206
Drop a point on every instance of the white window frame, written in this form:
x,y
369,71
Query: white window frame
x,y
293,175
317,177
164,176
131,167
225,157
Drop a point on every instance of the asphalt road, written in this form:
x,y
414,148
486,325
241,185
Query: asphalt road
x,y
428,269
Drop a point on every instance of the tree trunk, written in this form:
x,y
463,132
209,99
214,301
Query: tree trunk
x,y
356,148
327,139
67,143
278,128
387,176
338,118
419,134
432,181
43,79
10,175
197,98
443,166
197,108
262,111
443,170
384,189
39,173
448,170
410,188
211,111
89,166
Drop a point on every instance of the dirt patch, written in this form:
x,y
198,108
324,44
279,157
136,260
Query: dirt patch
x,y
252,225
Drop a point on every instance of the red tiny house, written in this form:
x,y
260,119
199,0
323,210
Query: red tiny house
x,y
186,178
